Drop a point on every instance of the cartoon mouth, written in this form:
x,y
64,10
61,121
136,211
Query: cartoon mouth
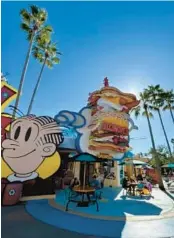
x,y
23,155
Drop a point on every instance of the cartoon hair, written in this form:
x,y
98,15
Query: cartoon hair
x,y
49,128
43,120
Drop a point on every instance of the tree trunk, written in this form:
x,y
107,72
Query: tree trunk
x,y
171,113
165,134
22,77
157,161
36,88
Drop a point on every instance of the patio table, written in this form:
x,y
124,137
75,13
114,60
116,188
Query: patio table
x,y
86,190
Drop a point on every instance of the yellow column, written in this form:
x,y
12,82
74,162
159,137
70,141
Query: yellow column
x,y
129,170
77,170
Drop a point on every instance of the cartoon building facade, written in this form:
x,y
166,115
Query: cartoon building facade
x,y
38,149
29,149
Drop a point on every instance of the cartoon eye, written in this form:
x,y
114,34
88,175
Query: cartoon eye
x,y
28,134
17,132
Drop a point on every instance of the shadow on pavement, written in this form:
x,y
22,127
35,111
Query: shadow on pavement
x,y
17,223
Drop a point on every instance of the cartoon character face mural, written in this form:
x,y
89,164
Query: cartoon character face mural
x,y
30,142
104,125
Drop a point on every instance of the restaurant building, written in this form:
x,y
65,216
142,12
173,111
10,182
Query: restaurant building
x,y
68,149
100,129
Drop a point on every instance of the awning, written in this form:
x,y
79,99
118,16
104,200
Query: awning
x,y
144,167
133,162
85,157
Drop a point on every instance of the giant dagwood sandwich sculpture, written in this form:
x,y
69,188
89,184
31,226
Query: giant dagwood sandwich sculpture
x,y
103,125
110,120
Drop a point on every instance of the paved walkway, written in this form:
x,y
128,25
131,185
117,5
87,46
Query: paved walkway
x,y
17,223
153,228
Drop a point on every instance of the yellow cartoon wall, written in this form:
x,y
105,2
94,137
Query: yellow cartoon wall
x,y
47,168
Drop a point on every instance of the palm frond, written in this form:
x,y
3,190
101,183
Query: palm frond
x,y
55,60
169,96
35,48
154,108
136,111
42,60
34,10
150,115
49,64
30,36
26,17
42,15
25,27
43,37
38,56
47,28
156,97
58,53
48,50
144,96
145,114
166,107
53,48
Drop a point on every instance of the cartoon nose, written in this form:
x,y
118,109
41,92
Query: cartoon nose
x,y
10,144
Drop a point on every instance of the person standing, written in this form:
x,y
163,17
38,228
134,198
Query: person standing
x,y
74,182
95,183
139,177
125,184
100,178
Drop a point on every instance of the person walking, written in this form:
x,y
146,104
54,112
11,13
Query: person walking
x,y
125,184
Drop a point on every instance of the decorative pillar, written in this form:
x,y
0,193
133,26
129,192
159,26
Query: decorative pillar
x,y
77,170
118,175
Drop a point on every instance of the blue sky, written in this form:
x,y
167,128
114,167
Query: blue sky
x,y
132,43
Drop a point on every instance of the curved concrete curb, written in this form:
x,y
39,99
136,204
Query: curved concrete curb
x,y
167,214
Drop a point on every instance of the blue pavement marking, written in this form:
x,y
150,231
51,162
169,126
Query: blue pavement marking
x,y
42,211
114,204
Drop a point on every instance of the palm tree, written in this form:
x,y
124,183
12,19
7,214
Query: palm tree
x,y
144,110
156,100
169,102
32,23
163,154
45,53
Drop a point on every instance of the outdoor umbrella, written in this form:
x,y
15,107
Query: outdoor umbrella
x,y
170,165
86,158
133,162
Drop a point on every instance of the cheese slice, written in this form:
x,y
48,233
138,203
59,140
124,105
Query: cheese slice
x,y
115,100
118,121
